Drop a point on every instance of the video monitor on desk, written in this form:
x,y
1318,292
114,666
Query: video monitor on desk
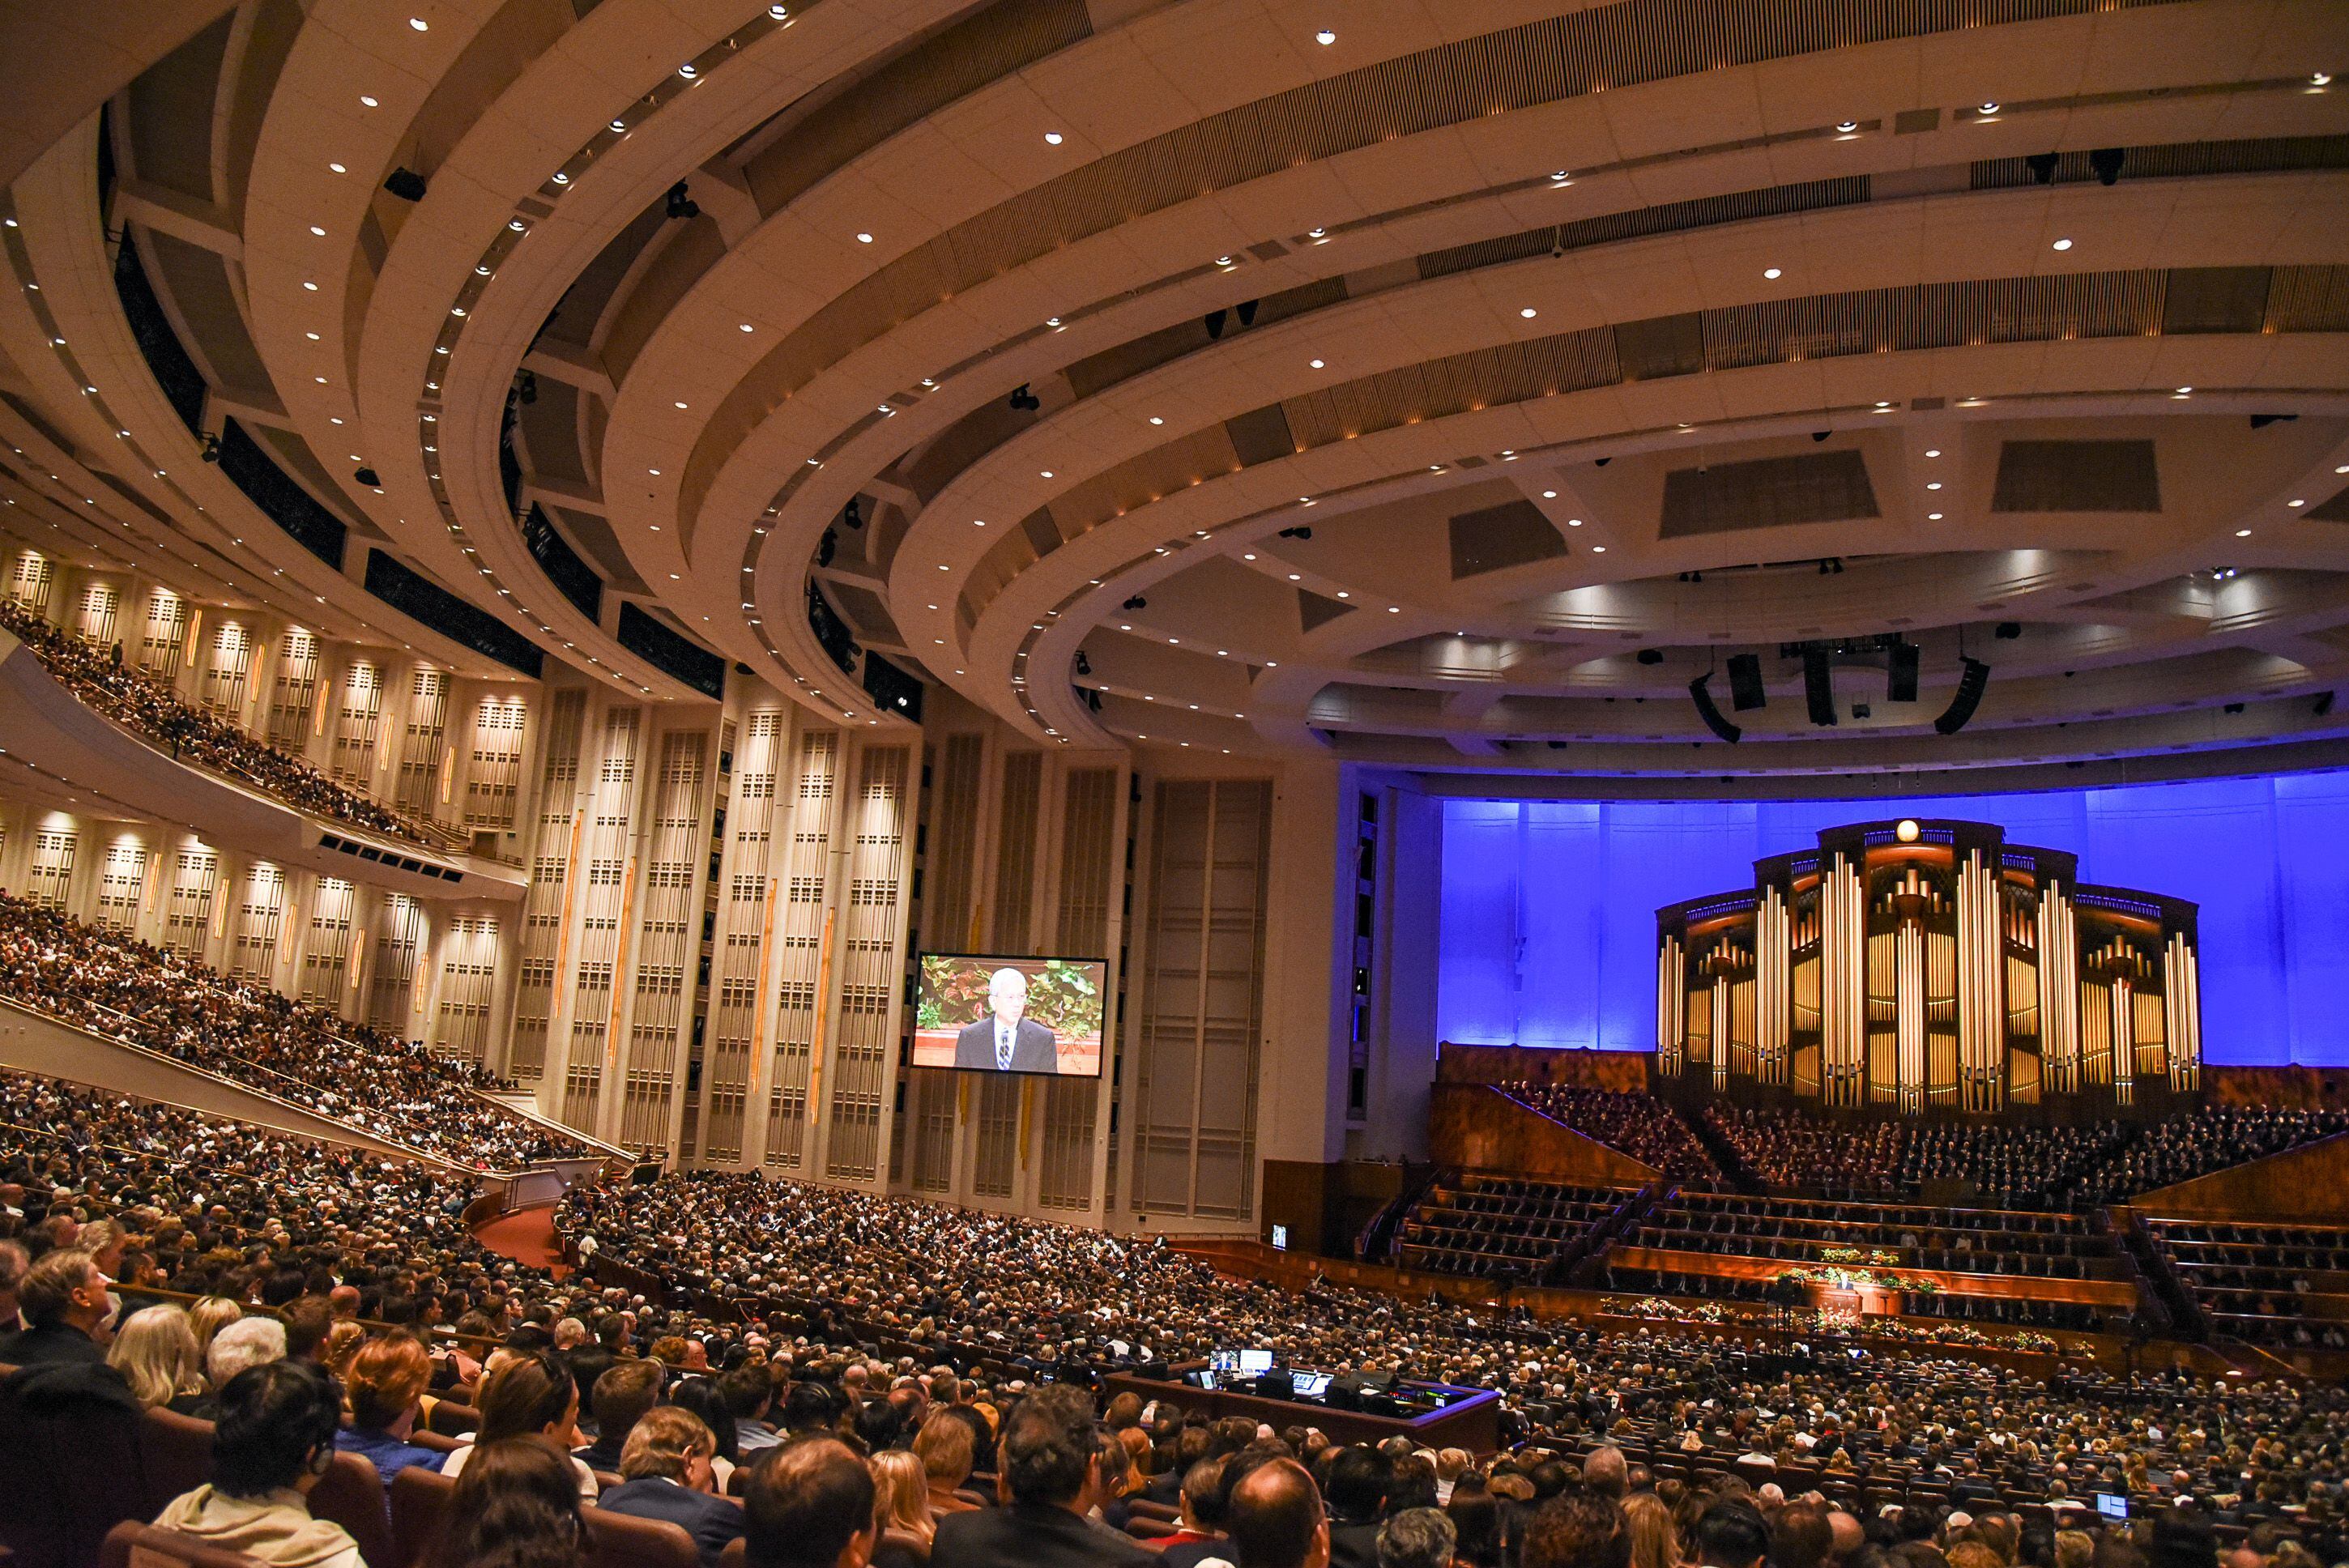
x,y
1312,1384
1222,1361
1254,1363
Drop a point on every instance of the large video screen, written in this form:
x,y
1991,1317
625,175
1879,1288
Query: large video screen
x,y
984,1014
1548,907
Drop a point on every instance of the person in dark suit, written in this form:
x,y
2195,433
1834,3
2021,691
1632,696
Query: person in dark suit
x,y
1049,1471
808,1504
665,1473
1004,1039
1357,1494
63,1298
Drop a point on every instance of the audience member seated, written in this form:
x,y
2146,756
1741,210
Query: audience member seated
x,y
274,1439
531,1396
809,1505
619,1399
155,1351
168,1002
145,706
1640,1125
666,1473
515,1507
64,1300
1051,1474
386,1390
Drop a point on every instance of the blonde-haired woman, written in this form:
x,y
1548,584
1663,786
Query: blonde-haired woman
x,y
1655,1538
208,1317
155,1351
901,1497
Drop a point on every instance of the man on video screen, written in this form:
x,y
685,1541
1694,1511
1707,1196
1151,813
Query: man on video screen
x,y
1004,1040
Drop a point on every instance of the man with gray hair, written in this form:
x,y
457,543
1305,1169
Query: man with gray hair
x,y
1006,1039
248,1342
62,1297
1417,1538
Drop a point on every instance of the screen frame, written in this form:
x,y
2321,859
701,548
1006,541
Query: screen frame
x,y
1100,1069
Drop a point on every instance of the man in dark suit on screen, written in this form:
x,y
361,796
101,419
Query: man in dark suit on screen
x,y
1004,1040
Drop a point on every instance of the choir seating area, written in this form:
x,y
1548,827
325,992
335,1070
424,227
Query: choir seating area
x,y
1895,1235
1495,1227
2283,1285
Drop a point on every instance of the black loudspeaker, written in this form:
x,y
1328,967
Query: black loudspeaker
x,y
1970,694
1818,686
1278,1384
1900,677
1345,1393
1714,720
1746,693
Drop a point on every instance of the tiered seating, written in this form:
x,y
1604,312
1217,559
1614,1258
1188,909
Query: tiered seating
x,y
2185,1147
1640,1125
1501,1228
145,706
2280,1285
167,1002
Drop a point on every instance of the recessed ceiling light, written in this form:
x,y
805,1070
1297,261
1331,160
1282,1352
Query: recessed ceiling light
x,y
1315,233
680,403
2242,533
1933,451
1325,38
1770,271
1047,473
619,124
1574,522
689,71
2295,503
310,287
1528,312
1597,549
1932,517
1314,364
338,169
2340,468
1846,126
1156,420
1295,577
367,101
2321,78
1549,495
862,238
1051,139
1051,321
1933,484
2063,245
419,24
1988,108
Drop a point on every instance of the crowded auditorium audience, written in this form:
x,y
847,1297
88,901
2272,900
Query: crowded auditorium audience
x,y
167,1001
1638,1124
147,707
822,1334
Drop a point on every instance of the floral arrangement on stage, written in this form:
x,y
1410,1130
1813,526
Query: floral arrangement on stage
x,y
1839,1278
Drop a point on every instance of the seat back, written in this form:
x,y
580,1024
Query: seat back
x,y
69,1472
451,1419
178,1450
351,1494
621,1541
736,1553
420,1507
131,1542
914,1546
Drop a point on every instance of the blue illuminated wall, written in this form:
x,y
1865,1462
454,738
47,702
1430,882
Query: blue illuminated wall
x,y
1548,930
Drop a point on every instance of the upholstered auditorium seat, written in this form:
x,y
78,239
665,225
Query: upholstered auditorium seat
x,y
131,1543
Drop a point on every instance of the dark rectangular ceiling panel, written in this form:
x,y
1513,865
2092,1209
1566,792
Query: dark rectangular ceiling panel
x,y
2076,476
1510,535
1767,492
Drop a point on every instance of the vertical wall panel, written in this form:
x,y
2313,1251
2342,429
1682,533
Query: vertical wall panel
x,y
355,726
50,874
163,642
261,909
550,880
187,919
1195,1091
799,930
325,954
742,918
601,899
494,770
398,951
30,580
950,880
294,689
469,976
1015,853
665,942
871,962
100,606
422,740
1087,871
122,880
227,670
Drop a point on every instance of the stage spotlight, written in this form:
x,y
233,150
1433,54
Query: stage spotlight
x,y
210,452
852,515
1137,603
680,204
2105,162
1215,322
1714,720
1024,400
1247,312
1691,577
2008,631
367,477
1746,693
1900,674
1302,530
1818,686
405,183
1600,462
1650,655
1860,710
1971,683
526,387
1821,435
1084,664
827,546
2261,422
2234,707
2043,166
